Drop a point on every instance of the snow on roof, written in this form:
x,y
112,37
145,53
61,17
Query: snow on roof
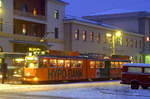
x,y
137,65
117,11
90,21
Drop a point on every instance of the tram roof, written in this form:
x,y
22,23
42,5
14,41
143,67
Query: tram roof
x,y
80,57
136,65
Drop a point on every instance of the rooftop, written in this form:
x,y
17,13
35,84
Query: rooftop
x,y
117,13
80,19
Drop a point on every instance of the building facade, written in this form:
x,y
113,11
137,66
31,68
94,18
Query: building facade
x,y
88,37
24,23
28,25
137,22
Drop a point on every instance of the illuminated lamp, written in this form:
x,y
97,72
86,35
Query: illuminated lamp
x,y
147,39
35,79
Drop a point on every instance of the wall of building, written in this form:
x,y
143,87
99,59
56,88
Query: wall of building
x,y
53,23
128,24
7,15
133,47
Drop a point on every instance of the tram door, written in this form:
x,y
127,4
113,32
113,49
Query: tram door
x,y
105,72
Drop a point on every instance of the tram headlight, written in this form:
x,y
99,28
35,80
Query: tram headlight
x,y
1,75
35,79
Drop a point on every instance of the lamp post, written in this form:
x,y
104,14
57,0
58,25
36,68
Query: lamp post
x,y
114,36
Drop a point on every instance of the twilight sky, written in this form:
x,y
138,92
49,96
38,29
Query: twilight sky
x,y
89,7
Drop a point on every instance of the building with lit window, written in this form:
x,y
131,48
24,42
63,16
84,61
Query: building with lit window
x,y
137,22
28,24
90,37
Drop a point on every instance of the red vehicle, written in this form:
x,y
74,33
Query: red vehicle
x,y
136,74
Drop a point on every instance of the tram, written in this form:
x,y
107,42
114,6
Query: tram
x,y
52,68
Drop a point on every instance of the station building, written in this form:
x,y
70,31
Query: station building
x,y
26,25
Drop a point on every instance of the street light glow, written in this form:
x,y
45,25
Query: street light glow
x,y
108,34
1,4
118,34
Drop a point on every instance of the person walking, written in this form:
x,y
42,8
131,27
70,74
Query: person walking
x,y
4,72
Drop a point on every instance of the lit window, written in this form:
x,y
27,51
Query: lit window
x,y
92,64
60,63
84,35
35,11
98,38
56,14
76,36
56,33
91,36
24,29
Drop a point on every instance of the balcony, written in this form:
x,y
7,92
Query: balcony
x,y
29,15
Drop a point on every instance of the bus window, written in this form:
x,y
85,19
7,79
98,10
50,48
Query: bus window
x,y
53,63
92,64
99,64
135,69
60,63
76,63
146,70
67,63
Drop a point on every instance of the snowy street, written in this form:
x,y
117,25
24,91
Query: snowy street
x,y
83,90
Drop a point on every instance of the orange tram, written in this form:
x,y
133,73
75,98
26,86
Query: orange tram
x,y
52,68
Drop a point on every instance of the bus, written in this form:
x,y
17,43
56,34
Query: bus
x,y
136,74
52,68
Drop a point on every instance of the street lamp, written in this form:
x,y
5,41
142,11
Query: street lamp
x,y
114,36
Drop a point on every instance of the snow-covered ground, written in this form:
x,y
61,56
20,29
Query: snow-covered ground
x,y
104,91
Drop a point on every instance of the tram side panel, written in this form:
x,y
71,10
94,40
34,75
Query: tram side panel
x,y
105,71
91,69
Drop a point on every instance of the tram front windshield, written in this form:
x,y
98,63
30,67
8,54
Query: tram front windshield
x,y
31,62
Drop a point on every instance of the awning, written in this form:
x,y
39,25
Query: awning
x,y
29,42
11,55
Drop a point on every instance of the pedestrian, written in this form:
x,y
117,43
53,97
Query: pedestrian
x,y
4,72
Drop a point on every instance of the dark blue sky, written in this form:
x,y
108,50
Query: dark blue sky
x,y
88,7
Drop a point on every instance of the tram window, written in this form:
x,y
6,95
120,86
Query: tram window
x,y
92,64
67,63
120,64
134,69
112,64
80,63
99,64
45,62
33,64
115,65
52,63
76,63
146,70
60,63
